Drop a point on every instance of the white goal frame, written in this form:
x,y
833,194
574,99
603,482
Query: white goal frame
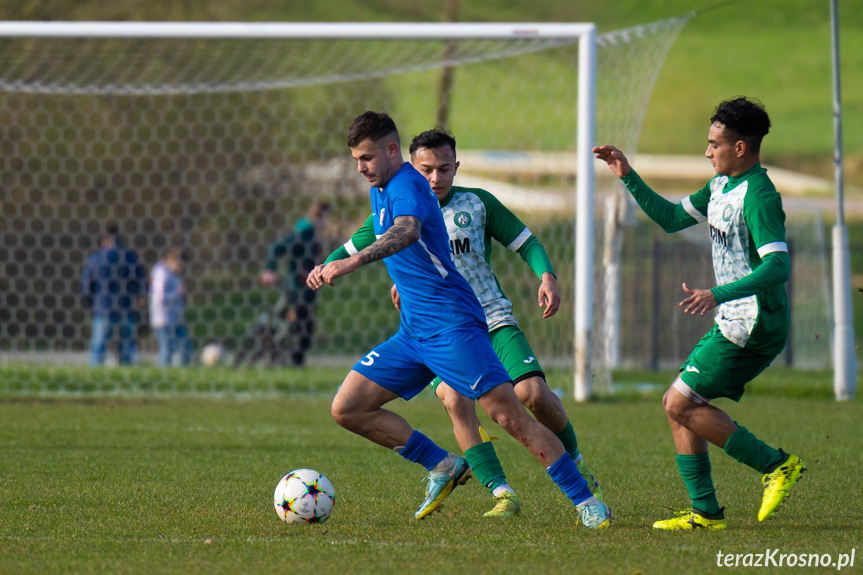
x,y
584,33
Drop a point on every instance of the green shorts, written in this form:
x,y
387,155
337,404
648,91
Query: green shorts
x,y
515,354
719,368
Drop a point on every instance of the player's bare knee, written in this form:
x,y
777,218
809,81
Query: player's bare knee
x,y
457,404
340,415
345,413
529,392
676,406
665,400
513,422
496,411
538,398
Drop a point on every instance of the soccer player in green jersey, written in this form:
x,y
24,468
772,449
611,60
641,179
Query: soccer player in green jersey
x,y
750,261
474,218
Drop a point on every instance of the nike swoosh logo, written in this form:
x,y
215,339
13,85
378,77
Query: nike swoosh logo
x,y
530,360
692,368
476,383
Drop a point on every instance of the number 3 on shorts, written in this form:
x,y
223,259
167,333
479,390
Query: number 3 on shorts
x,y
370,358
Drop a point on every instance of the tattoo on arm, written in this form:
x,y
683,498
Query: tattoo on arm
x,y
404,231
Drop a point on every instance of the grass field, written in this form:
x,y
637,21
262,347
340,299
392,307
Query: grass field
x,y
184,486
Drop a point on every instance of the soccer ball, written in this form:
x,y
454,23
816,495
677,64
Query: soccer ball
x,y
304,496
211,354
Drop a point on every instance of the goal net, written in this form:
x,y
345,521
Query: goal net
x,y
217,147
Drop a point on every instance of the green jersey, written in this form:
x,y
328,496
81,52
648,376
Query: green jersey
x,y
750,256
474,218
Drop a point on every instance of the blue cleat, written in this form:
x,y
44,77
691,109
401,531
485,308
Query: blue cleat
x,y
594,513
441,484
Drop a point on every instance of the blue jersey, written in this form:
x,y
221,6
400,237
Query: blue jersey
x,y
434,296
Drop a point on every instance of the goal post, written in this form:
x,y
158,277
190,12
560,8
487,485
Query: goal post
x,y
210,136
584,215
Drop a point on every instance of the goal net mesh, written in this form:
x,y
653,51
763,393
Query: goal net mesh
x,y
217,148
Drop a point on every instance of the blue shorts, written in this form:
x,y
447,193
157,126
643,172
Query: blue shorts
x,y
461,355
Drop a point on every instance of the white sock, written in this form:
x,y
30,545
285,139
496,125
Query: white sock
x,y
501,489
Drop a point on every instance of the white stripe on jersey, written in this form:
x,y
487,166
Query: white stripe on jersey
x,y
519,240
351,248
690,209
772,247
437,263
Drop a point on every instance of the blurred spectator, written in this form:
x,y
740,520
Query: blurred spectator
x,y
294,314
168,309
114,284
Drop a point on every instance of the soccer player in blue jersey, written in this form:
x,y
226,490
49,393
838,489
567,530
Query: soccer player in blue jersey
x,y
443,332
474,218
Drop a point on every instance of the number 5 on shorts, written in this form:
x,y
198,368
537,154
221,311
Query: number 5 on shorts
x,y
370,358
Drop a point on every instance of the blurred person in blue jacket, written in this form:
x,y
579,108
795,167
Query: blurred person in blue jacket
x,y
114,284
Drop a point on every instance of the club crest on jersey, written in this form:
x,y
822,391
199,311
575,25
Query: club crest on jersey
x,y
382,215
462,219
727,213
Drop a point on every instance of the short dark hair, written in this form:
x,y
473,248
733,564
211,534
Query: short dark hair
x,y
372,126
432,139
746,119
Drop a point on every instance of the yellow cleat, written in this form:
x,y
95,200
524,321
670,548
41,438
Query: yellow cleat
x,y
687,519
506,505
777,485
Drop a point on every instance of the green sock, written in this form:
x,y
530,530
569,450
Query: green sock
x,y
485,465
695,470
744,447
567,437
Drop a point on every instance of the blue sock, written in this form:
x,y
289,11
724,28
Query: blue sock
x,y
420,449
566,475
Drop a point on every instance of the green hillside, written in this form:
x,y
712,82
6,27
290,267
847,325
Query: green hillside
x,y
776,50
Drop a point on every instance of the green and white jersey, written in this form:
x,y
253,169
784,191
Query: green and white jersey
x,y
746,222
473,218
750,256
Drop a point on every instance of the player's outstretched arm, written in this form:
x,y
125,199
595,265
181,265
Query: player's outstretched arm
x,y
505,227
672,217
404,231
615,159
